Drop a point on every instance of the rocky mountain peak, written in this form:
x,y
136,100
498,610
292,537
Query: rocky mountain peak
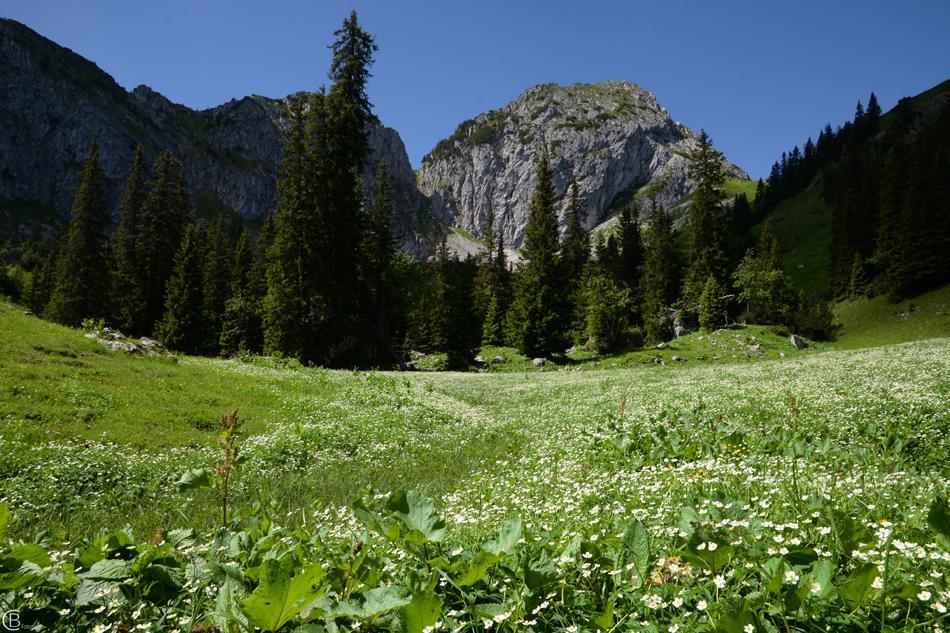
x,y
613,137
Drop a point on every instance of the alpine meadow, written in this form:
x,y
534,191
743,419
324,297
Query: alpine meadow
x,y
571,370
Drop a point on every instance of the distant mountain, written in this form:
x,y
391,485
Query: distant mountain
x,y
53,102
613,137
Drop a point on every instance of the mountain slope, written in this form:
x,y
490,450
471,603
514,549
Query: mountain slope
x,y
613,137
53,102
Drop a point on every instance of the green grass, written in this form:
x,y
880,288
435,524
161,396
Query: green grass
x,y
876,321
471,238
788,465
734,186
802,225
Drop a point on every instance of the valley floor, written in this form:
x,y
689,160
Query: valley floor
x,y
764,453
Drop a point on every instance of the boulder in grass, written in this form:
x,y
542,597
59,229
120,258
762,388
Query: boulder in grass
x,y
797,341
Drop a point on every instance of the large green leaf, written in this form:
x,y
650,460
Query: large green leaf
x,y
856,589
108,570
477,569
279,595
422,613
418,514
195,478
507,540
4,519
939,518
228,615
369,603
635,548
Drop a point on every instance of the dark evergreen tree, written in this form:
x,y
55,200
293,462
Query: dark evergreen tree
x,y
44,277
183,326
81,288
537,321
128,284
706,255
631,246
763,291
216,288
379,253
295,307
659,276
348,113
711,307
166,213
575,255
485,278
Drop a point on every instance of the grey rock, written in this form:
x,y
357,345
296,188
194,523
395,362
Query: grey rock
x,y
657,360
613,137
661,345
498,360
53,103
537,362
680,330
678,359
754,349
797,341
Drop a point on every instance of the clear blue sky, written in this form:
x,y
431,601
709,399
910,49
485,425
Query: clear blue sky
x,y
758,75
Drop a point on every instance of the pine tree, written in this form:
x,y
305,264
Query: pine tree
x,y
485,278
761,282
183,326
348,112
575,249
242,261
711,308
216,282
379,252
658,279
706,256
44,277
295,308
81,288
128,285
631,248
166,213
537,319
575,255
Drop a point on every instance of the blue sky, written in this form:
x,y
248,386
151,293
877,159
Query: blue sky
x,y
758,75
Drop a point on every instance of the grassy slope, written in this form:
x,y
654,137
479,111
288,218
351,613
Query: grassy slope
x,y
802,225
113,431
873,322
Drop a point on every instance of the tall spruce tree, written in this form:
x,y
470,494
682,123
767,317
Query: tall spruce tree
x,y
81,288
295,306
538,324
378,257
706,253
484,279
183,327
349,112
658,280
575,255
166,213
631,246
216,281
128,286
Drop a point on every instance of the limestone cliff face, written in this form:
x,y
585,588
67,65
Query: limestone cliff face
x,y
613,137
53,103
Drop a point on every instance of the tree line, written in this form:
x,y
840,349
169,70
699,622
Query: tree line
x,y
886,181
322,280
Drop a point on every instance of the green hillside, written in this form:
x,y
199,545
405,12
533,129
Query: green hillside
x,y
802,225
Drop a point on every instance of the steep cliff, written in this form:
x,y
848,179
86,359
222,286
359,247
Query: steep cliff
x,y
53,102
613,137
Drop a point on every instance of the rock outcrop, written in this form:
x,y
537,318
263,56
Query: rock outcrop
x,y
53,102
613,137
